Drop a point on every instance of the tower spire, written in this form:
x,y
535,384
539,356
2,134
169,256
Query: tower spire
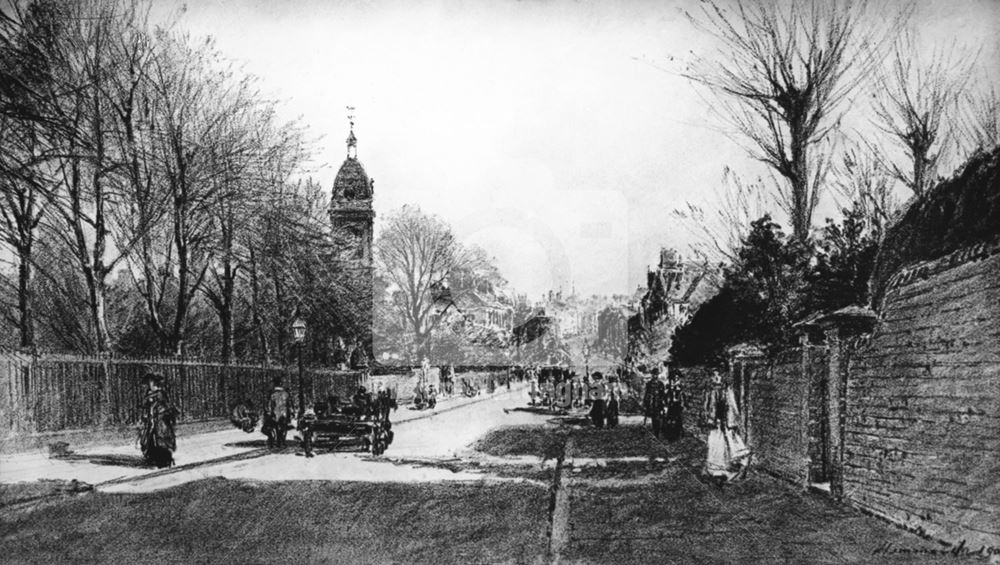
x,y
352,141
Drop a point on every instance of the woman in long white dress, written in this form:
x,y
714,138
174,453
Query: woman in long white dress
x,y
728,456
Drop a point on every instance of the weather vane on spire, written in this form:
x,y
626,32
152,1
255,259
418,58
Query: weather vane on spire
x,y
352,142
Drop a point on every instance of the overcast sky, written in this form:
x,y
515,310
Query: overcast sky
x,y
546,131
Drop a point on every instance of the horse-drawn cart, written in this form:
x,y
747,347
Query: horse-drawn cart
x,y
352,426
338,431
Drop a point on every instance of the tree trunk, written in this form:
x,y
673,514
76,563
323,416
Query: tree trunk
x,y
921,164
422,344
226,321
183,278
97,280
97,293
799,178
25,302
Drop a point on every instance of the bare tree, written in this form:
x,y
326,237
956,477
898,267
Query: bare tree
x,y
721,233
916,104
864,183
81,48
416,253
198,102
782,76
22,147
980,120
274,153
22,207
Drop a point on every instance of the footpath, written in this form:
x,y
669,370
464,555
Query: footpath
x,y
119,459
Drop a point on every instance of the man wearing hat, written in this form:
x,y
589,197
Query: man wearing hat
x,y
653,402
278,414
674,400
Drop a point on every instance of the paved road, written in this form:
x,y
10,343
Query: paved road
x,y
439,434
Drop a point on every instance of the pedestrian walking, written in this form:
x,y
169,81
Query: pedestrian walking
x,y
675,400
653,402
611,410
598,400
728,457
305,425
157,436
385,400
278,415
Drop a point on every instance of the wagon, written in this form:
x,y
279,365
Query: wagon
x,y
345,431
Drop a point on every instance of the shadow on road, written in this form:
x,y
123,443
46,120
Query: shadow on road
x,y
111,459
530,409
250,444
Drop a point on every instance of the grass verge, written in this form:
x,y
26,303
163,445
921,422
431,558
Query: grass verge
x,y
222,521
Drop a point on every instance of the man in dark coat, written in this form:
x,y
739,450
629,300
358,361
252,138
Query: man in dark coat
x,y
385,400
674,399
653,402
359,357
278,414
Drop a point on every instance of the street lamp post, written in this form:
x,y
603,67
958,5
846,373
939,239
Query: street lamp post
x,y
299,335
586,359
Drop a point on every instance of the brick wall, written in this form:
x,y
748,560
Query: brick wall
x,y
922,429
780,411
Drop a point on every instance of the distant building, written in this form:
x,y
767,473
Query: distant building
x,y
612,331
485,309
672,292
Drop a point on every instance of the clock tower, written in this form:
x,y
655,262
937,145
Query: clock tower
x,y
352,221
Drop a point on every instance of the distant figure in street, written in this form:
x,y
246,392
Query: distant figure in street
x,y
305,425
549,391
598,400
359,358
278,415
728,457
425,370
653,402
614,395
533,390
340,354
447,380
157,437
578,392
385,400
674,400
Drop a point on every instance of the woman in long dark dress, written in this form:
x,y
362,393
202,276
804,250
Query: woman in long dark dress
x,y
599,398
157,437
611,408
